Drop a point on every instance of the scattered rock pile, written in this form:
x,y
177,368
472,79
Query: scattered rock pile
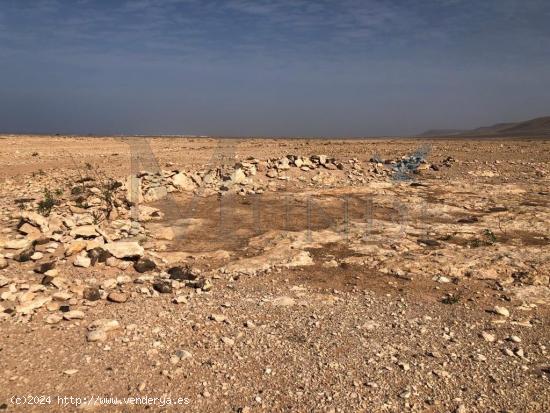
x,y
91,227
276,167
405,166
99,223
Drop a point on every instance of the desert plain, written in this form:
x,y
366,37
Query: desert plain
x,y
275,275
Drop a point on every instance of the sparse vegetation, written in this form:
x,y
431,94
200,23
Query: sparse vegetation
x,y
45,205
81,203
502,223
77,190
107,192
488,238
97,217
338,272
451,299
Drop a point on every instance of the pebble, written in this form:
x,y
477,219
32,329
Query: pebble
x,y
45,267
162,287
53,318
488,336
105,324
181,273
405,394
73,315
117,297
36,256
204,284
123,279
220,318
479,357
503,311
62,296
508,352
284,301
144,264
405,366
82,261
109,283
519,352
53,306
183,354
98,329
96,335
228,341
30,306
91,294
460,409
442,373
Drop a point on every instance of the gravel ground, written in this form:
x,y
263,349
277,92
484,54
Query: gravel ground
x,y
401,326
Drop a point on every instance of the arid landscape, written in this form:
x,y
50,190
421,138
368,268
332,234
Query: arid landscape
x,y
274,275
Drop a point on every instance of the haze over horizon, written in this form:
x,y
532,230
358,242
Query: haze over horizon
x,y
271,68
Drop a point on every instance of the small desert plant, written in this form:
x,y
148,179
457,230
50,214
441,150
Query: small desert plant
x,y
451,299
97,217
502,224
45,206
475,243
81,203
77,190
107,188
108,193
488,238
21,205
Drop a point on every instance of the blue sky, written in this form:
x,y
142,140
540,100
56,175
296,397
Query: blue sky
x,y
289,67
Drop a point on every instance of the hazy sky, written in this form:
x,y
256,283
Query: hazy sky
x,y
258,67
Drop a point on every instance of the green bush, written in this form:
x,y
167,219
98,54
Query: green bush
x,y
45,206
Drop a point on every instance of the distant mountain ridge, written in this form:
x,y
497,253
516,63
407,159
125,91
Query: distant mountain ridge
x,y
443,132
533,127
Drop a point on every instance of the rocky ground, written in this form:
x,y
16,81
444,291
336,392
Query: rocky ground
x,y
274,275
